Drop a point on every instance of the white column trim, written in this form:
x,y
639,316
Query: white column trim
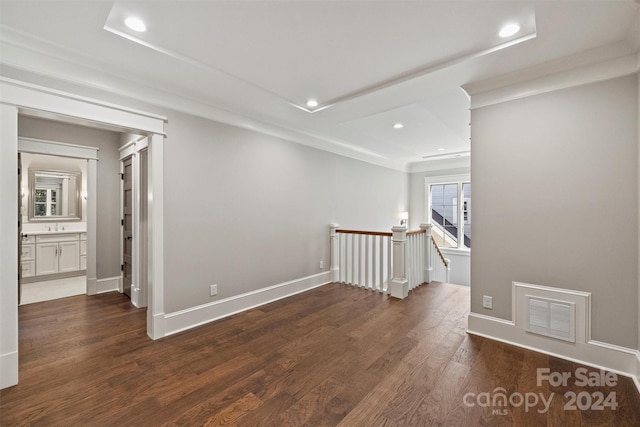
x,y
334,245
31,96
8,246
490,92
399,286
155,299
55,148
92,227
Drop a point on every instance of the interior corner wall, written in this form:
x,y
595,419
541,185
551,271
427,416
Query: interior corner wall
x,y
245,210
108,197
555,181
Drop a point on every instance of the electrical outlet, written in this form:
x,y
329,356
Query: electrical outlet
x,y
213,290
321,265
487,302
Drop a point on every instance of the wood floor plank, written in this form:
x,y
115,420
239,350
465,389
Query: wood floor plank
x,y
336,355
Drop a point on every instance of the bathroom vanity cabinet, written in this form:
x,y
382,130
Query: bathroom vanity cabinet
x,y
52,254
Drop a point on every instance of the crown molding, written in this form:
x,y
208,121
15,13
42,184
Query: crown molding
x,y
440,164
550,77
60,72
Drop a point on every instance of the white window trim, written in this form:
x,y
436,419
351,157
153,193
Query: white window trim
x,y
447,179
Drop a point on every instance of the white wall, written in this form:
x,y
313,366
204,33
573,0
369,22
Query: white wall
x,y
556,176
460,266
245,211
108,198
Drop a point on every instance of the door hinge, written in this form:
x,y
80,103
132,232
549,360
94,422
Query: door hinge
x,y
121,267
18,223
122,222
122,176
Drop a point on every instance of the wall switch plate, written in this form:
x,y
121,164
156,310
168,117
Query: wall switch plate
x,y
321,265
213,290
487,302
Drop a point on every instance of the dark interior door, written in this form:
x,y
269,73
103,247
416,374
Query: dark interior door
x,y
127,225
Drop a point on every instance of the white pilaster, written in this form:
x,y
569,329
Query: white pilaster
x,y
92,227
155,312
9,246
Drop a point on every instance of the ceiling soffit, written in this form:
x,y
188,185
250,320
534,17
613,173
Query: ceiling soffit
x,y
331,51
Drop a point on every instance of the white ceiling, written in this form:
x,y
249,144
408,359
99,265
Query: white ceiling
x,y
369,64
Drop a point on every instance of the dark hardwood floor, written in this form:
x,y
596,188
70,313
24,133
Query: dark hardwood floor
x,y
333,356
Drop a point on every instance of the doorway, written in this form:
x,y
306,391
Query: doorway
x,y
134,204
127,225
19,98
52,223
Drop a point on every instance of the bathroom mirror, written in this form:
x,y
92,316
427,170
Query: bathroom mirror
x,y
54,195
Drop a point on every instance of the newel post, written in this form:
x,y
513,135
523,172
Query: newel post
x,y
399,284
428,252
334,244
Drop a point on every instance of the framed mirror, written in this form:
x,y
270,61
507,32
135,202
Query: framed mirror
x,y
54,196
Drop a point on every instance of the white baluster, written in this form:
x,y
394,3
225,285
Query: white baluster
x,y
366,261
389,274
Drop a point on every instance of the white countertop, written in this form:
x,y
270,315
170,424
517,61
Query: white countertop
x,y
41,232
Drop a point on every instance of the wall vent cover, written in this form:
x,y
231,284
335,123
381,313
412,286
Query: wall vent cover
x,y
551,318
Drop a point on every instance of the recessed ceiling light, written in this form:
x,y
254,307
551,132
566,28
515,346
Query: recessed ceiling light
x,y
398,126
135,24
312,103
509,30
440,149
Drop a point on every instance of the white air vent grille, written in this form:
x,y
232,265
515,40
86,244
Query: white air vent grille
x,y
551,318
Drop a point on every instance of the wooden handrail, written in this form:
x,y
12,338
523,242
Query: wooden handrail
x,y
377,233
444,261
368,233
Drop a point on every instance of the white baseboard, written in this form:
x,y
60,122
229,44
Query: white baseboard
x,y
109,284
636,378
620,360
8,369
155,325
199,315
92,286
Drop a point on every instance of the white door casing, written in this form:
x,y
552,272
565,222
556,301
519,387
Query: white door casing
x,y
16,97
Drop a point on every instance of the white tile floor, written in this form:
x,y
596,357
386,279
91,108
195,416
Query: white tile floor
x,y
53,289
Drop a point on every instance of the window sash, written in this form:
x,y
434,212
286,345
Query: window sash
x,y
462,216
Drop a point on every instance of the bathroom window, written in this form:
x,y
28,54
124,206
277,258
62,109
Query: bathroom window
x,y
46,202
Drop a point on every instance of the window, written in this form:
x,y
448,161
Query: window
x,y
46,202
449,210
